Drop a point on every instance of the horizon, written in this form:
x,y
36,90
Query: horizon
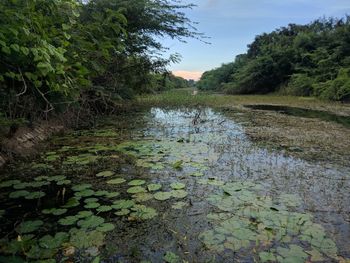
x,y
231,31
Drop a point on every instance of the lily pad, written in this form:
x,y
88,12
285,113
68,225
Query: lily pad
x,y
177,165
91,222
54,211
123,204
71,202
51,242
19,194
105,174
9,183
85,193
64,182
136,189
104,208
91,200
170,257
122,212
162,196
179,205
91,205
143,212
101,193
154,187
116,181
142,197
178,193
112,194
29,226
177,185
68,220
106,227
81,187
35,195
136,182
83,214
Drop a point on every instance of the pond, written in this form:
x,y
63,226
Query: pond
x,y
172,185
305,113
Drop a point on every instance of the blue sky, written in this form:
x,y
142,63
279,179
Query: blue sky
x,y
233,24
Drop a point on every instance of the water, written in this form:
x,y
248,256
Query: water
x,y
252,195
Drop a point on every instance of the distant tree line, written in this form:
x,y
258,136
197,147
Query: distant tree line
x,y
301,60
64,55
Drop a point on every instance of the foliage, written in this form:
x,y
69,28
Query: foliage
x,y
60,55
302,60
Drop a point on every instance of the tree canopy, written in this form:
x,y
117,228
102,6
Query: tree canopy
x,y
302,60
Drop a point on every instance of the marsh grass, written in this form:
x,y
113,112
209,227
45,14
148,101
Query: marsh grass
x,y
184,97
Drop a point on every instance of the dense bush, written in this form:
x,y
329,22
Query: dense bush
x,y
57,54
304,60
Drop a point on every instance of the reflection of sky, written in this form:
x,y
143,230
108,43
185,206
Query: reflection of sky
x,y
232,24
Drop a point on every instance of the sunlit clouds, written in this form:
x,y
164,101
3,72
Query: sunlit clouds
x,y
195,75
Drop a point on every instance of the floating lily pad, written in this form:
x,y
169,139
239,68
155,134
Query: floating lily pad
x,y
29,226
35,195
177,185
123,204
91,205
91,200
68,220
91,222
116,181
81,187
41,178
136,182
178,193
136,189
54,211
106,227
142,197
101,193
64,182
85,193
105,174
143,212
83,214
162,196
51,242
57,178
9,183
71,202
112,194
170,257
19,194
104,208
21,185
154,187
177,165
82,239
122,212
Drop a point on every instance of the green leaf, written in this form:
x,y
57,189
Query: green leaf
x,y
29,226
170,257
177,185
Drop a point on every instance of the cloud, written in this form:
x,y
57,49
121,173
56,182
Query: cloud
x,y
212,3
195,75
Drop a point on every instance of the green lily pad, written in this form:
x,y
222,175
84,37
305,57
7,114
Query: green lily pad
x,y
136,182
122,212
54,211
91,205
64,182
178,193
116,181
91,200
143,212
9,183
71,202
162,196
177,185
105,174
123,204
29,226
154,187
51,242
68,220
35,195
91,222
83,214
136,189
112,194
85,193
82,239
142,197
177,165
21,185
19,194
104,208
170,257
81,187
101,193
57,178
106,227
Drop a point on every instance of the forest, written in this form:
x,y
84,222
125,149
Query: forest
x,y
299,60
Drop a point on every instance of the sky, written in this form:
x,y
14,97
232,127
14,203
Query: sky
x,y
233,24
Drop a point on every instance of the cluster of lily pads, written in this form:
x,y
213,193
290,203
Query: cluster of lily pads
x,y
248,220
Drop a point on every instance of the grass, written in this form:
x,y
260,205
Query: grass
x,y
184,97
